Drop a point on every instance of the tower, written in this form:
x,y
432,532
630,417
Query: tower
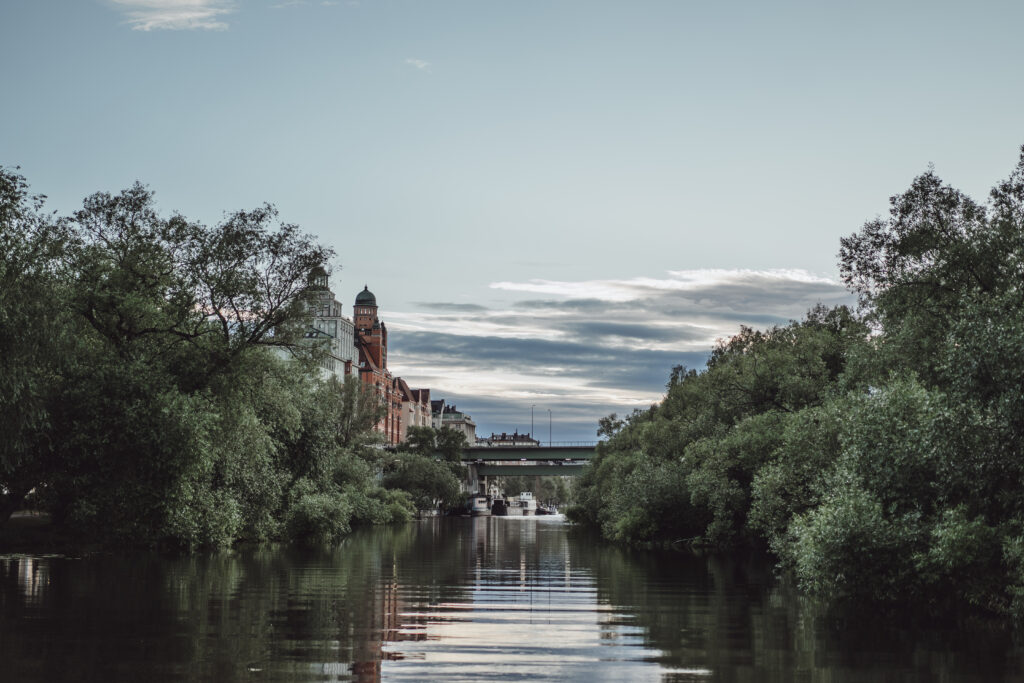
x,y
372,334
328,327
365,310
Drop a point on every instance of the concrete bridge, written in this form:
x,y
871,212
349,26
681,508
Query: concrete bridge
x,y
558,459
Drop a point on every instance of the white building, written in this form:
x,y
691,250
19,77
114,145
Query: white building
x,y
330,328
444,415
415,409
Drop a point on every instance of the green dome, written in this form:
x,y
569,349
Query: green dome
x,y
366,297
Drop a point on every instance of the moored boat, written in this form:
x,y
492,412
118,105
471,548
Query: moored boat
x,y
479,505
499,507
527,504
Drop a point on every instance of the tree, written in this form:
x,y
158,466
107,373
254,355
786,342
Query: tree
x,y
178,292
33,338
429,482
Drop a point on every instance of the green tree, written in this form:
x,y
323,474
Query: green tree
x,y
429,482
34,340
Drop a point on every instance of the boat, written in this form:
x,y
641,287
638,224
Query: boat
x,y
479,505
527,504
499,507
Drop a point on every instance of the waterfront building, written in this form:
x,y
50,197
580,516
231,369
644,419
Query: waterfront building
x,y
328,328
444,415
371,336
415,408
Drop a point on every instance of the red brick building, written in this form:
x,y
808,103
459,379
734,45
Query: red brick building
x,y
372,344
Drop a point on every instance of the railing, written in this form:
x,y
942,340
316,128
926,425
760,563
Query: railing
x,y
542,444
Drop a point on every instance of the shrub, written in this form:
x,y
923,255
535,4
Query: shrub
x,y
847,548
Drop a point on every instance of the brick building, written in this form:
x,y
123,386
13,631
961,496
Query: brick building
x,y
372,343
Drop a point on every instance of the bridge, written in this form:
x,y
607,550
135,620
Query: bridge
x,y
560,459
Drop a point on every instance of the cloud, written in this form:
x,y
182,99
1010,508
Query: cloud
x,y
418,64
150,15
450,307
684,284
589,348
289,3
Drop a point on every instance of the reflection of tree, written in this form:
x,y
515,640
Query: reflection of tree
x,y
300,614
728,616
292,613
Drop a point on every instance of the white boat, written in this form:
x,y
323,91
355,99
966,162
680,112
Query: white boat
x,y
527,504
479,505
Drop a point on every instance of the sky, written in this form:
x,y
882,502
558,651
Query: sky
x,y
553,202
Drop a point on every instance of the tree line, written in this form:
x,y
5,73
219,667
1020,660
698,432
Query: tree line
x,y
878,453
156,388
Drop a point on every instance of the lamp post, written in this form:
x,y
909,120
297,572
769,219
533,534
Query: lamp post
x,y
549,428
531,420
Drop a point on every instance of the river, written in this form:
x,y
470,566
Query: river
x,y
508,599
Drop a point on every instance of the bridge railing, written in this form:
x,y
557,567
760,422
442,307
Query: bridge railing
x,y
543,444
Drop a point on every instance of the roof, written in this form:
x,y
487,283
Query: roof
x,y
317,277
366,297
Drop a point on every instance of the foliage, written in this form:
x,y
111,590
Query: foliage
x,y
33,337
428,481
848,547
878,454
445,444
694,457
144,389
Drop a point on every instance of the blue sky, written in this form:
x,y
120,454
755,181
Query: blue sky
x,y
554,202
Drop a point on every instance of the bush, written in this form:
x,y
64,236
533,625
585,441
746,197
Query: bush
x,y
317,517
787,486
963,558
428,482
847,548
380,506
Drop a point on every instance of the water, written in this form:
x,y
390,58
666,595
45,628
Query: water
x,y
506,599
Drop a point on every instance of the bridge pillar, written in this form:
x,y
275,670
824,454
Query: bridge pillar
x,y
472,481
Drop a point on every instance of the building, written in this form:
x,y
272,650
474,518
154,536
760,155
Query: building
x,y
415,408
503,439
329,329
444,415
371,337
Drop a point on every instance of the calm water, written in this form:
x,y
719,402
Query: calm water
x,y
455,600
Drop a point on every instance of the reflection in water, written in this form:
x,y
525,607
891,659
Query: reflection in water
x,y
455,599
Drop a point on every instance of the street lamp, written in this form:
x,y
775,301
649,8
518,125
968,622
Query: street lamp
x,y
549,428
531,421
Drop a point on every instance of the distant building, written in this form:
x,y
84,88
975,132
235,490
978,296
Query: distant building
x,y
444,415
503,439
372,343
415,409
329,328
